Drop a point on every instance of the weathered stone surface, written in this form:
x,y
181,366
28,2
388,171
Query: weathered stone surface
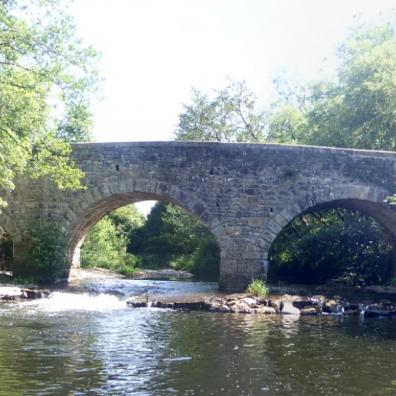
x,y
10,293
287,308
266,310
331,306
249,301
382,308
282,305
309,311
244,193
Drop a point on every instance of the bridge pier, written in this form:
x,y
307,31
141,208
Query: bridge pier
x,y
238,281
241,261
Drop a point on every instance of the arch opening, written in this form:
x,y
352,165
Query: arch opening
x,y
345,242
169,237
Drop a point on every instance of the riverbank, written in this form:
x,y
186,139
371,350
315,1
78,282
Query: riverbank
x,y
373,301
152,274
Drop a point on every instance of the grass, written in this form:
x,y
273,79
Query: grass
x,y
258,288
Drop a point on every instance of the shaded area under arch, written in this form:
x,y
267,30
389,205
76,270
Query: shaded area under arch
x,y
349,241
102,208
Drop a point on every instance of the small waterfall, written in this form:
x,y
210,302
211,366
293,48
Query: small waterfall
x,y
63,301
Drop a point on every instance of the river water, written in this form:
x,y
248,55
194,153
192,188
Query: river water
x,y
93,344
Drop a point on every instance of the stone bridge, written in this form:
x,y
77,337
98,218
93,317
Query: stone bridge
x,y
244,193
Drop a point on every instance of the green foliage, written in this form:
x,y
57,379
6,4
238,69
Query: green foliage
x,y
106,244
258,288
6,251
357,109
126,219
392,200
231,116
205,259
332,244
46,82
46,263
393,281
171,237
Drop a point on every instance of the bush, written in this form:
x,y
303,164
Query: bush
x,y
392,282
258,288
332,246
171,237
105,248
46,265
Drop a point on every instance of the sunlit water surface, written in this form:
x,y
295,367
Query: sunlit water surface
x,y
84,344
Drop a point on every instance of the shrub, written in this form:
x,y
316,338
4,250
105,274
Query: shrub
x,y
105,248
392,282
46,265
258,288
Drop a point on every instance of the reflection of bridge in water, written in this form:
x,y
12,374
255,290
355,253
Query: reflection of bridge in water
x,y
244,193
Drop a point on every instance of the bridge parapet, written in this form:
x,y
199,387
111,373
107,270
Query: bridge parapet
x,y
244,193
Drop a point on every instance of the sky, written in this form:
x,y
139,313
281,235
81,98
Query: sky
x,y
154,51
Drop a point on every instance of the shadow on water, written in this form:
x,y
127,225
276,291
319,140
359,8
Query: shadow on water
x,y
82,343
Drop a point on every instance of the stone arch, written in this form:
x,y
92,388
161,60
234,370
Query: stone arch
x,y
96,202
365,199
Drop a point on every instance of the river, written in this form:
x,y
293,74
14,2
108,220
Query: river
x,y
85,343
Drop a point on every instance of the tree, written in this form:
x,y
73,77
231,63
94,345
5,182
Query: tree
x,y
332,244
47,79
168,232
231,116
126,219
357,110
172,237
103,247
106,243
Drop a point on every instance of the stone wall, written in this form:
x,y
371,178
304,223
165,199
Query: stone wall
x,y
244,193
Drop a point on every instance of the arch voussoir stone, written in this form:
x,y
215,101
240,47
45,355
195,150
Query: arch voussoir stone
x,y
244,193
365,199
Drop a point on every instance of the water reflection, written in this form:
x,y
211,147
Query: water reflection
x,y
84,344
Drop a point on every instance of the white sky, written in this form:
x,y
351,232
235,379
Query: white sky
x,y
154,51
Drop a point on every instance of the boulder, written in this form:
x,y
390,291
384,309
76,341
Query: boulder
x,y
300,304
249,301
223,308
240,307
309,311
333,307
379,309
136,304
287,308
265,310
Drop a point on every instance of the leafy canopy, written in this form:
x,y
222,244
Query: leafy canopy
x,y
172,237
357,110
47,79
230,116
106,243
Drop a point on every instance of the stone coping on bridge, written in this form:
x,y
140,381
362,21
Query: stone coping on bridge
x,y
226,145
